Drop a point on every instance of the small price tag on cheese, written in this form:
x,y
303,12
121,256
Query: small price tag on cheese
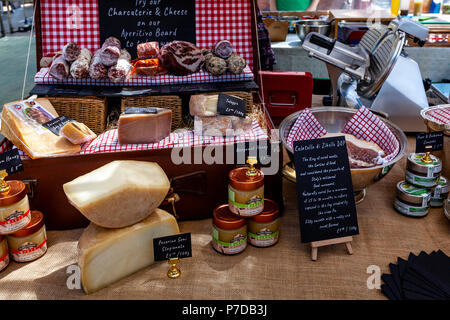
x,y
177,246
231,106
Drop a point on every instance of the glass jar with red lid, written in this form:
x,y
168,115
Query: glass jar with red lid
x,y
263,229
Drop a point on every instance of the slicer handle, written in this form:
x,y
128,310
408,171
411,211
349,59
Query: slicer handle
x,y
322,42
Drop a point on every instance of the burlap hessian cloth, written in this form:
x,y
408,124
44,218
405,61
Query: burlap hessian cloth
x,y
284,271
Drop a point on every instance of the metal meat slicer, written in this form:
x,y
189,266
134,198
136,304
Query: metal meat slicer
x,y
376,73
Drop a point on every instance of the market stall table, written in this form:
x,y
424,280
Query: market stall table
x,y
284,271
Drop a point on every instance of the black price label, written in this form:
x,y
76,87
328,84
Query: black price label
x,y
11,162
177,246
231,106
136,110
324,189
433,139
56,124
261,149
140,21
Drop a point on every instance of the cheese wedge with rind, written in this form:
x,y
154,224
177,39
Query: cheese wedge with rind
x,y
77,133
120,193
107,255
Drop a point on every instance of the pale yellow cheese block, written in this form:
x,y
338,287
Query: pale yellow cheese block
x,y
120,193
108,255
36,143
77,132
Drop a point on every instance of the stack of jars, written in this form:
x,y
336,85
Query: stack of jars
x,y
424,187
22,232
248,217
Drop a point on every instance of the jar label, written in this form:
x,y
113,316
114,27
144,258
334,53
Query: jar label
x,y
15,221
410,210
246,210
29,251
238,244
436,203
421,181
4,261
264,238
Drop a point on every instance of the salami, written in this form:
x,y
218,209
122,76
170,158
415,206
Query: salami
x,y
97,70
110,51
71,51
80,67
112,42
147,50
223,49
59,69
120,71
181,58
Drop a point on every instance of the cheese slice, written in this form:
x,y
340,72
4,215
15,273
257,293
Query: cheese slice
x,y
120,193
108,255
22,125
77,133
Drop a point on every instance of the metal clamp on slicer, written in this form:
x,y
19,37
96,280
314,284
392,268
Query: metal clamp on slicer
x,y
376,73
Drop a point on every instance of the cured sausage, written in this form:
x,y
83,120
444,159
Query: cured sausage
x,y
97,70
59,69
120,71
71,51
80,67
223,49
110,51
181,58
147,50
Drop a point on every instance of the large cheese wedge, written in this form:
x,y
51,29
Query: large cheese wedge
x,y
120,193
108,255
22,125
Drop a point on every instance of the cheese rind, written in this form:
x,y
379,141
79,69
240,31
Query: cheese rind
x,y
120,193
108,255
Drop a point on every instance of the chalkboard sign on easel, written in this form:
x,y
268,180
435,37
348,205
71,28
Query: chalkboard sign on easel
x,y
139,21
325,193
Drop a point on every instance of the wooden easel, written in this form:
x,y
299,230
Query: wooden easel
x,y
316,244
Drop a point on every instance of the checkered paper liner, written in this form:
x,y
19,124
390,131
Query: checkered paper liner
x,y
363,125
214,20
108,141
43,77
439,114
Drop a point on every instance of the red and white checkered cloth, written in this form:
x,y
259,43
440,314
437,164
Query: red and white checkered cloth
x,y
43,77
363,125
109,142
439,114
63,21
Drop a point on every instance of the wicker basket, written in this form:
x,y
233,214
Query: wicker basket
x,y
169,102
91,111
247,96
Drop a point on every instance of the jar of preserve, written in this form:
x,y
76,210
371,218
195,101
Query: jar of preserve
x,y
14,205
30,243
263,229
229,232
246,190
4,253
440,193
423,169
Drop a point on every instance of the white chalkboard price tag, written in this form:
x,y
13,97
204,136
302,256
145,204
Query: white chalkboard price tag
x,y
56,124
11,162
435,140
231,106
325,192
177,246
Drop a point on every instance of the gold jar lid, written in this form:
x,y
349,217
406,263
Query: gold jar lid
x,y
36,223
247,178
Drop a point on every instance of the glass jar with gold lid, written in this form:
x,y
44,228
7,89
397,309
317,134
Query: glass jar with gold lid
x,y
4,253
263,229
29,243
14,205
246,190
229,232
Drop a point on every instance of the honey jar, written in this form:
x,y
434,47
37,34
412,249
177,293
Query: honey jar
x,y
14,205
29,243
246,190
4,253
229,232
263,229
